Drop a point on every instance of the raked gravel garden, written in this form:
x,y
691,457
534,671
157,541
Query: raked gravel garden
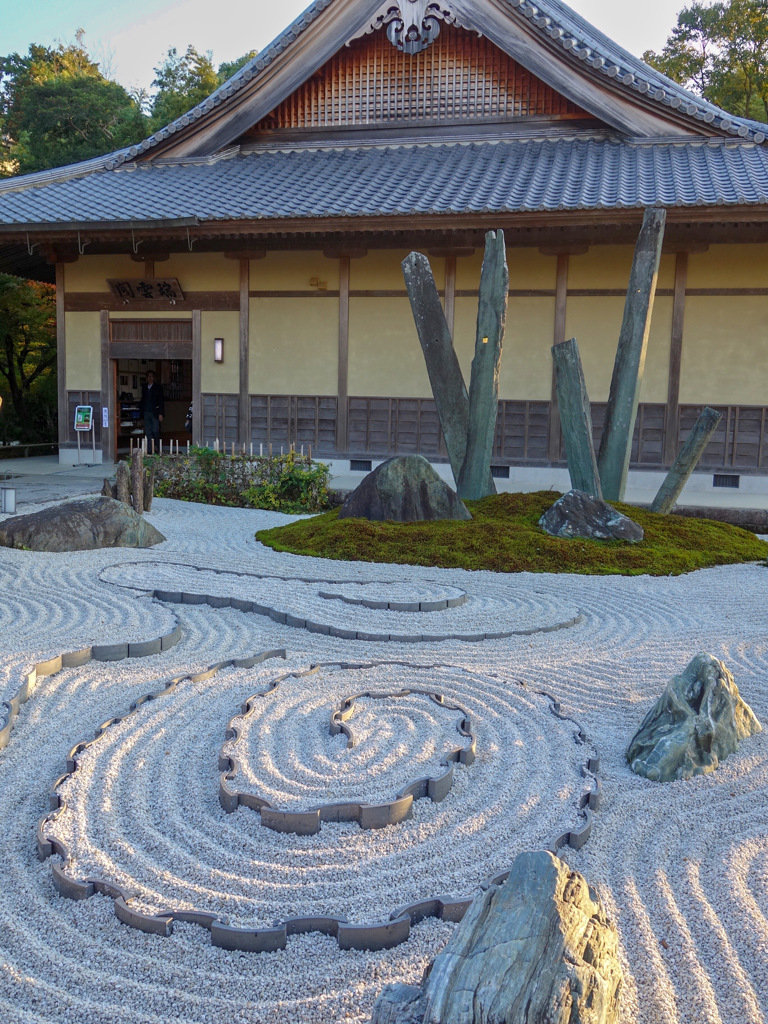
x,y
682,868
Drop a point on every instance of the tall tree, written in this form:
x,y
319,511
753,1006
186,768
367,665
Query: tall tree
x,y
27,358
720,51
184,80
56,107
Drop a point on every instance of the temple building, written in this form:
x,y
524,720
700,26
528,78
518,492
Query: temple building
x,y
249,253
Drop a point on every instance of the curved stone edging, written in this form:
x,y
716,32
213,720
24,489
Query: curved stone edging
x,y
286,619
377,936
369,816
74,659
398,606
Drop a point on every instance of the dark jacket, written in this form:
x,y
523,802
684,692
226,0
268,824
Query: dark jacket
x,y
153,398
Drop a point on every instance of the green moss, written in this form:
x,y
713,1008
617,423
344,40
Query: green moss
x,y
504,536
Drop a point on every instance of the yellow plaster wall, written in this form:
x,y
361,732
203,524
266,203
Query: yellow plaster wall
x,y
609,266
293,346
83,334
90,273
220,378
595,322
527,269
381,270
292,271
729,266
526,364
200,271
385,357
725,351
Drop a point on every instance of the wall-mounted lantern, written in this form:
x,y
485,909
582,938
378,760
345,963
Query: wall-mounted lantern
x,y
218,350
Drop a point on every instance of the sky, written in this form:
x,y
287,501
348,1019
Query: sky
x,y
131,39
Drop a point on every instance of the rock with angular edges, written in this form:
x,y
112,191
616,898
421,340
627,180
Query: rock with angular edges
x,y
536,949
81,525
698,720
405,489
577,514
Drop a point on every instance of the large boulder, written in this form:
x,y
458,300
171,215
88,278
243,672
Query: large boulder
x,y
698,720
405,489
81,525
537,948
578,514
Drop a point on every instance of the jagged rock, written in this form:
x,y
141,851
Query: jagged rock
x,y
405,489
537,948
81,525
577,514
698,720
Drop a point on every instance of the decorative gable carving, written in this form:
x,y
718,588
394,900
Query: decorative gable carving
x,y
460,77
413,24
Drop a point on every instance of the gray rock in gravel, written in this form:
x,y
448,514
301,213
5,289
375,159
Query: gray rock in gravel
x,y
578,514
81,525
536,949
698,720
405,489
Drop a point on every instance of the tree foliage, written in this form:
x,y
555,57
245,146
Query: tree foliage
x,y
720,51
184,80
56,107
27,359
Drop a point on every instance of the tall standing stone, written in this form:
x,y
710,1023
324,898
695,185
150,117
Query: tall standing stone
x,y
616,442
575,418
484,381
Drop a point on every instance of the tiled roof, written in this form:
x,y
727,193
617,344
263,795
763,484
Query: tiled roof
x,y
574,173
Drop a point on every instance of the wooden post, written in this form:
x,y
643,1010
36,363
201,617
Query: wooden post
x,y
575,418
243,401
61,359
686,461
107,388
342,389
445,377
197,356
616,442
484,381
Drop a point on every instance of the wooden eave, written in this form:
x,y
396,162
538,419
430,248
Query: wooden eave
x,y
630,113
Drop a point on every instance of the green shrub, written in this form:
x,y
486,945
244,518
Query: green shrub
x,y
283,483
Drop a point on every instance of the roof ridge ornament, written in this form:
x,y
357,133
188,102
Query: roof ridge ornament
x,y
413,24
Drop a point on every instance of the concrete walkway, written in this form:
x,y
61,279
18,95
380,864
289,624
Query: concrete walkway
x,y
43,478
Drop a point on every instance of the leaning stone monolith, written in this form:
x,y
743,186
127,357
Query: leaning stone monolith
x,y
698,720
537,948
405,489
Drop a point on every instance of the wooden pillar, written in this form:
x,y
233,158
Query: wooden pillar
x,y
449,301
342,392
61,358
672,415
197,398
107,391
561,299
243,408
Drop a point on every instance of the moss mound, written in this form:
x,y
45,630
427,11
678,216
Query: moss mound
x,y
504,536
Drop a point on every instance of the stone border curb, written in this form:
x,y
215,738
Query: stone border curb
x,y
369,816
398,606
373,937
286,619
75,659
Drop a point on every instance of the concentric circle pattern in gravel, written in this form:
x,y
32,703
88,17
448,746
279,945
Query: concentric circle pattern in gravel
x,y
683,868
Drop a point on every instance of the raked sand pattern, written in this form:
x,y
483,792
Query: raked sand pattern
x,y
683,868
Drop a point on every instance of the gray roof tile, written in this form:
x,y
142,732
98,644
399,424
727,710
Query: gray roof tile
x,y
526,175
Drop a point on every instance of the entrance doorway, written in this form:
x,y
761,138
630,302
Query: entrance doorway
x,y
175,378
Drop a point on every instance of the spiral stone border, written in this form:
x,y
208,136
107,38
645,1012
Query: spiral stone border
x,y
398,606
75,659
376,936
286,619
369,816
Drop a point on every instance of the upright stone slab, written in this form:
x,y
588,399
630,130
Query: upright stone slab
x,y
445,377
686,461
484,382
575,418
620,415
537,949
699,719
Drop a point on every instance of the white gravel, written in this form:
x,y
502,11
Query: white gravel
x,y
683,868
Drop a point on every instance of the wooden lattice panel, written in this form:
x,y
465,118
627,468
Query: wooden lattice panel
x,y
460,77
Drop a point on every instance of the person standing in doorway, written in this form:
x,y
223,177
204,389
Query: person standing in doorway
x,y
153,409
